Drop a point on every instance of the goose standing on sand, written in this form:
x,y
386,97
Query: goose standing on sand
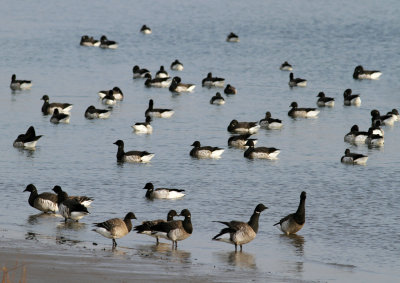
x,y
232,37
293,222
132,156
116,91
240,141
355,135
176,65
286,67
139,73
199,151
162,73
156,82
48,108
174,230
217,99
115,228
145,30
325,100
270,123
211,81
19,84
94,113
69,208
177,86
353,158
105,43
387,120
158,112
296,81
162,193
146,226
243,127
109,99
27,140
241,233
260,152
351,99
45,202
302,112
143,127
230,89
58,117
360,73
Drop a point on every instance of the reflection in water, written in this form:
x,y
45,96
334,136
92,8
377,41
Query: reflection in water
x,y
34,219
238,259
163,250
30,236
296,241
71,225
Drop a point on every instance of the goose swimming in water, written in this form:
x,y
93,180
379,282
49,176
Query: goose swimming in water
x,y
296,81
143,127
145,30
360,73
139,73
199,151
162,73
89,41
158,112
105,43
217,99
351,99
177,86
132,156
211,81
270,123
260,152
325,100
240,141
176,65
232,37
230,89
162,193
302,112
58,117
353,158
243,127
94,113
157,82
27,140
286,67
355,135
19,84
241,233
48,108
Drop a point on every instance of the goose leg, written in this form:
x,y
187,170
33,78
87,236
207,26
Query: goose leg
x,y
240,248
235,247
114,243
157,241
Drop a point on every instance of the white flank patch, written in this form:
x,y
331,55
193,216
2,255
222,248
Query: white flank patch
x,y
312,114
104,232
147,158
76,215
101,94
361,161
217,153
30,145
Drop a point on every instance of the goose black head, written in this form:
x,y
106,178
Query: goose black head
x,y
294,104
119,143
185,212
196,144
303,195
30,188
149,187
130,215
57,189
260,207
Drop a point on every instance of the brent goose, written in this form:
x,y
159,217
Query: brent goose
x,y
143,127
270,123
211,81
395,114
243,127
286,66
145,29
158,112
240,141
105,43
89,41
260,152
325,100
115,228
302,112
374,139
217,99
176,65
360,73
293,222
48,108
58,117
376,127
353,158
351,99
232,37
174,230
355,135
146,226
132,156
94,113
139,73
296,81
69,208
387,120
199,151
177,86
19,84
162,73
109,99
156,82
116,91
27,140
230,89
241,233
162,193
46,202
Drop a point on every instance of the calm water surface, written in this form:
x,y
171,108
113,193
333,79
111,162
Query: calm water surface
x,y
351,231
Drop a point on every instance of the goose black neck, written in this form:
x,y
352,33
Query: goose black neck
x,y
62,196
187,225
128,223
300,215
32,197
253,222
120,153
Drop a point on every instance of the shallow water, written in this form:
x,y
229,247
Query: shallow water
x,y
351,230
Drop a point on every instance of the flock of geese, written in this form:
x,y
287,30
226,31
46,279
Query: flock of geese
x,y
238,232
